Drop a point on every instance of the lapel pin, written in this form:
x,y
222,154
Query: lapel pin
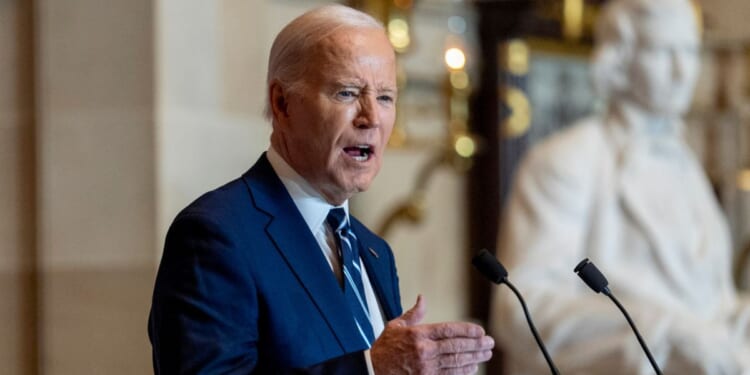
x,y
373,252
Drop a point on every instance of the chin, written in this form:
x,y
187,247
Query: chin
x,y
361,185
677,111
670,109
348,186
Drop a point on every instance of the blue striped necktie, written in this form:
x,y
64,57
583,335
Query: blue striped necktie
x,y
354,291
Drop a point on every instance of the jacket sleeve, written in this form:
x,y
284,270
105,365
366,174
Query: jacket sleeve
x,y
204,311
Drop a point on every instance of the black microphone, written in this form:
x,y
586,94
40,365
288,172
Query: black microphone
x,y
491,268
596,281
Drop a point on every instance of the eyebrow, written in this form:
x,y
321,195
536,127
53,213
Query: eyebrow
x,y
349,83
358,83
387,90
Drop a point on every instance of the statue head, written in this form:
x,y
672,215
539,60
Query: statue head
x,y
647,53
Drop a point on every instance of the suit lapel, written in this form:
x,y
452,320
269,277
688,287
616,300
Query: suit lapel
x,y
635,202
292,238
378,270
627,182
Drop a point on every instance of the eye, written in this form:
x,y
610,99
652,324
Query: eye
x,y
347,94
386,99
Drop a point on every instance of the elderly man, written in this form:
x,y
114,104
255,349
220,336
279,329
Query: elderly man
x,y
269,273
623,189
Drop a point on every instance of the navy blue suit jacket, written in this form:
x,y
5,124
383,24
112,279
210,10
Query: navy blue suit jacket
x,y
243,287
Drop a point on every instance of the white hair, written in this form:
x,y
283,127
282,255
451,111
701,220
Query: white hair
x,y
616,36
292,47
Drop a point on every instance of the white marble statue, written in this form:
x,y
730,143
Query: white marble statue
x,y
623,189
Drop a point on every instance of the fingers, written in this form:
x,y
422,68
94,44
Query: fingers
x,y
439,331
400,348
462,352
455,352
471,369
444,348
464,345
414,315
465,359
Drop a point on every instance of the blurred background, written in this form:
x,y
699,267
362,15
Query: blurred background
x,y
116,114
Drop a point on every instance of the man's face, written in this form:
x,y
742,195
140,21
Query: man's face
x,y
336,125
665,63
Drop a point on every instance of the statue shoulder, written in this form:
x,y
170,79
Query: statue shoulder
x,y
573,150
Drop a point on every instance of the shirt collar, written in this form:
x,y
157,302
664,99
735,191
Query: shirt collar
x,y
310,203
639,122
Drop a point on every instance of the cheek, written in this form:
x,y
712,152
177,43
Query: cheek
x,y
337,121
339,114
388,117
692,69
327,128
649,76
386,131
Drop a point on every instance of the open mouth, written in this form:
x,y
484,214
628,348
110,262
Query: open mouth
x,y
359,152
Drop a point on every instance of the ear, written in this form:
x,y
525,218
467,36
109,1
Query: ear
x,y
278,101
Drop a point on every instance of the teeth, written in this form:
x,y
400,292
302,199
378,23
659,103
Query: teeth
x,y
360,152
364,149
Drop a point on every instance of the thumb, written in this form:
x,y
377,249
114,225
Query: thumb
x,y
414,315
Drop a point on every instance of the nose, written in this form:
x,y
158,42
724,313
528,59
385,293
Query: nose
x,y
680,61
368,115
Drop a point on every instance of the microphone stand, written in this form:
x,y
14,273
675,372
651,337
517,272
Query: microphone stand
x,y
491,269
611,296
596,281
533,329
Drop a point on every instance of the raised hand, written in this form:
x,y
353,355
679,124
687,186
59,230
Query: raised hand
x,y
407,347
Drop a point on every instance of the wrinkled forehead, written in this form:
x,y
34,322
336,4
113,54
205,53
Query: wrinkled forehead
x,y
348,50
667,26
